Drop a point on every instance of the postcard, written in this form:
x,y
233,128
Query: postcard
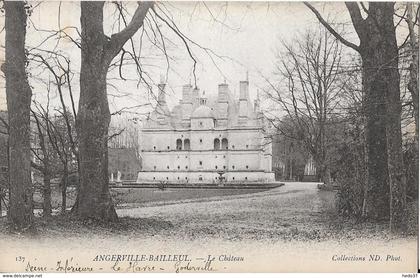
x,y
208,137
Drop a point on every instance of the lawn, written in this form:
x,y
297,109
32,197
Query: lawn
x,y
144,196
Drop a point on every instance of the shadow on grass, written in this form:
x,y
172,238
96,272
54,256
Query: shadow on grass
x,y
70,225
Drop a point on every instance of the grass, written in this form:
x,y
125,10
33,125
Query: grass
x,y
289,214
124,196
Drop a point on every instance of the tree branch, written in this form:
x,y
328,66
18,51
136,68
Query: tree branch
x,y
118,40
330,29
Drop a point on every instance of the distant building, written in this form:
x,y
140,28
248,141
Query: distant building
x,y
205,138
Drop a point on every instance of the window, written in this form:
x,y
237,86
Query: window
x,y
224,156
200,178
233,178
247,146
216,156
233,166
179,167
216,166
201,123
201,163
225,145
178,177
154,147
201,140
217,144
168,147
167,178
246,178
186,144
247,166
178,144
224,167
233,146
154,167
154,178
186,167
167,167
186,178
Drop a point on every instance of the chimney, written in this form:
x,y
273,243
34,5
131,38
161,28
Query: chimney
x,y
187,93
243,101
223,93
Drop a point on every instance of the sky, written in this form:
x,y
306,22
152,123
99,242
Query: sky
x,y
246,34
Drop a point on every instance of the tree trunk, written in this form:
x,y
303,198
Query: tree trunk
x,y
413,84
93,119
377,192
18,95
98,50
46,195
386,180
64,192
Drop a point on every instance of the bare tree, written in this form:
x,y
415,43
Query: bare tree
x,y
310,67
44,157
61,127
379,52
18,94
93,116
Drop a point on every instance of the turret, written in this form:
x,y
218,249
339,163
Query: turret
x,y
243,101
162,109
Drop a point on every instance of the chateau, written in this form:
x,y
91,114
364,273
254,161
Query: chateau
x,y
206,139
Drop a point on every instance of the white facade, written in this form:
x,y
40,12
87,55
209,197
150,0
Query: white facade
x,y
203,139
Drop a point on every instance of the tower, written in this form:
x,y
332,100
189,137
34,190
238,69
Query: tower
x,y
162,110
